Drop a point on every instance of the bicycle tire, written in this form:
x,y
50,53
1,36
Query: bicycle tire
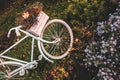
x,y
57,29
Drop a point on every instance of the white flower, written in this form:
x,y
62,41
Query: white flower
x,y
86,50
94,43
103,51
111,49
114,42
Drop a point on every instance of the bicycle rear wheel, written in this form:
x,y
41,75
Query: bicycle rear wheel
x,y
57,30
7,67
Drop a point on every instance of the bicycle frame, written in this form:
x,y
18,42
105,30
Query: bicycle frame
x,y
25,64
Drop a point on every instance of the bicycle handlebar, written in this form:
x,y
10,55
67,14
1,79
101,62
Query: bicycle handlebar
x,y
16,31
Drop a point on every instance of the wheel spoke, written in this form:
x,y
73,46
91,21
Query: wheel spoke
x,y
52,49
55,30
49,31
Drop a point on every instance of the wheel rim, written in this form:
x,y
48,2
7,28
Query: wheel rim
x,y
60,31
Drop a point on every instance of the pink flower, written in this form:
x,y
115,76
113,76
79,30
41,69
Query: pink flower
x,y
52,73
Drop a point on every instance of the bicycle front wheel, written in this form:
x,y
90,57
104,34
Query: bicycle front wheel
x,y
60,30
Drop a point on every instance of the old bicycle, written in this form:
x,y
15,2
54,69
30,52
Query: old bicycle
x,y
54,40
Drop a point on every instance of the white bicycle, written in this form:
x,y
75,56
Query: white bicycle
x,y
54,40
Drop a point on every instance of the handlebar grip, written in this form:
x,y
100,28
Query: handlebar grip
x,y
17,32
8,35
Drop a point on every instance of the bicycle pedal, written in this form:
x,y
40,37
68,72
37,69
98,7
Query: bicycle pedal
x,y
40,57
22,72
